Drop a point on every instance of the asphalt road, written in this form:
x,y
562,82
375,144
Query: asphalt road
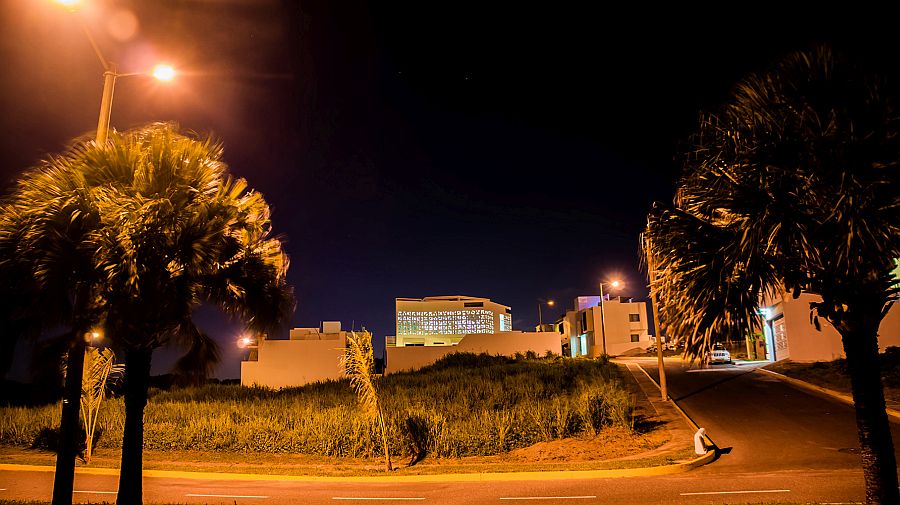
x,y
782,445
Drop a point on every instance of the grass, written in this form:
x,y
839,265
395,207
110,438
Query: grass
x,y
462,406
834,374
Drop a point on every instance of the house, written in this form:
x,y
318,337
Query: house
x,y
309,355
789,333
605,326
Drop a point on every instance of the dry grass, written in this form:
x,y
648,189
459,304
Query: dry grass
x,y
464,405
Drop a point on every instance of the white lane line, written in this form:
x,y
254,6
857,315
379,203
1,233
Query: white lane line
x,y
361,498
739,492
225,495
547,497
96,492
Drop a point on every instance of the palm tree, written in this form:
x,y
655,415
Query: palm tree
x,y
177,231
792,186
48,229
137,232
359,366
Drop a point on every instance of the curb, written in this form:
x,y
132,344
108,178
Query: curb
x,y
706,439
893,414
452,477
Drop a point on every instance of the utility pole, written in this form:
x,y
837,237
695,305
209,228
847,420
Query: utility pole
x,y
651,272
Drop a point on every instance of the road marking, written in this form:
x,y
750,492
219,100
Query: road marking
x,y
548,497
96,492
360,498
740,492
225,495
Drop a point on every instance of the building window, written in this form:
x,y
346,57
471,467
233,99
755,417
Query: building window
x,y
474,304
635,337
445,322
634,318
584,322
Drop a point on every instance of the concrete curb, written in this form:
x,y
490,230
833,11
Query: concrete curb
x,y
706,439
893,414
452,477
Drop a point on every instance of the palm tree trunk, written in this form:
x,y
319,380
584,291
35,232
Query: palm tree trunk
x,y
137,382
877,447
64,478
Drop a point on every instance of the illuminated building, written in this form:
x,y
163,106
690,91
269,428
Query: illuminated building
x,y
445,320
309,355
615,327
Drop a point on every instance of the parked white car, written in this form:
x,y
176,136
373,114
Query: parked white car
x,y
720,355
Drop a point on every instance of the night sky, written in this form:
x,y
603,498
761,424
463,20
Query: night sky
x,y
422,148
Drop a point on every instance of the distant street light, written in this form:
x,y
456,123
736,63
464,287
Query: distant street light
x,y
615,285
549,303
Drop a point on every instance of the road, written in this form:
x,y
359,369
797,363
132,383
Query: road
x,y
782,445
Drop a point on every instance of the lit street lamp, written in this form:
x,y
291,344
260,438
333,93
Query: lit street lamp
x,y
615,285
549,303
161,72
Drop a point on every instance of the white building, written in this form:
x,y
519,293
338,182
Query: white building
x,y
789,333
445,320
612,327
310,355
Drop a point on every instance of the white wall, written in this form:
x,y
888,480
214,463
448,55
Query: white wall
x,y
506,343
292,363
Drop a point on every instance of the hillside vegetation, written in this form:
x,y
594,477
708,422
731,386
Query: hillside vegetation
x,y
463,405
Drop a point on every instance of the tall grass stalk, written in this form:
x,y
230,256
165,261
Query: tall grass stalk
x,y
359,366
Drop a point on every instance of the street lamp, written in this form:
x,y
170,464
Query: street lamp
x,y
651,273
615,285
161,72
549,303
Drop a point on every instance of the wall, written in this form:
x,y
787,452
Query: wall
x,y
806,344
291,363
507,343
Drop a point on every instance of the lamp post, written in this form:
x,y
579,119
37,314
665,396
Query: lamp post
x,y
614,284
549,303
161,72
651,271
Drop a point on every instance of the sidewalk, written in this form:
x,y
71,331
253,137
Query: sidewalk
x,y
893,413
681,425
